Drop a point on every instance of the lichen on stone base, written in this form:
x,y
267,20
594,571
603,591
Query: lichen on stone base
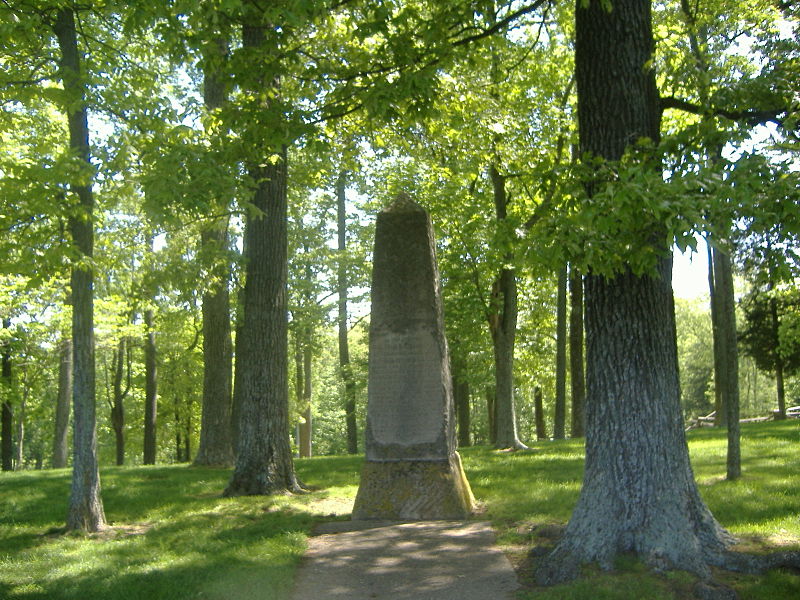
x,y
410,490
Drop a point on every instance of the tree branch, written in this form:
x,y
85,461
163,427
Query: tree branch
x,y
502,23
749,116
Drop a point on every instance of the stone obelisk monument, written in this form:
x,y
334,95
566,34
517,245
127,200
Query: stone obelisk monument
x,y
412,471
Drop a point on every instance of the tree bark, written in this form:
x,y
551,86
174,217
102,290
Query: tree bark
x,y
85,511
461,403
779,384
264,461
19,448
559,421
305,437
729,383
351,424
60,444
491,414
7,429
538,407
716,326
639,493
118,401
216,436
577,373
150,389
503,325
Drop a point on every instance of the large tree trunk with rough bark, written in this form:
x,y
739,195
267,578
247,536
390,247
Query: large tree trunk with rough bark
x,y
729,382
351,424
264,461
63,397
7,428
216,435
502,319
85,511
639,493
576,366
560,417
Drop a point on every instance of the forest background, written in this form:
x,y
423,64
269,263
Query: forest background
x,y
467,106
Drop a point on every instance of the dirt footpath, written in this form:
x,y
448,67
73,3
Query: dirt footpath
x,y
430,560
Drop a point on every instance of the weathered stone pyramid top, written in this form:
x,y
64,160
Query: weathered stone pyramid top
x,y
403,202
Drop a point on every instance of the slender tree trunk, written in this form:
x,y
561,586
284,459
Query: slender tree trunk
x,y
538,407
716,327
118,401
503,325
779,384
187,435
305,437
180,456
8,411
264,461
216,434
559,422
85,510
639,494
577,373
19,449
344,348
299,379
461,402
151,389
60,444
723,277
491,414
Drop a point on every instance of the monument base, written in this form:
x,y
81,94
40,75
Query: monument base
x,y
413,490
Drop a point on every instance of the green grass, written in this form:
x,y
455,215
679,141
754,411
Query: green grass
x,y
174,536
530,495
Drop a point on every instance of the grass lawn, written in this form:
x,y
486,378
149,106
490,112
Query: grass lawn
x,y
173,536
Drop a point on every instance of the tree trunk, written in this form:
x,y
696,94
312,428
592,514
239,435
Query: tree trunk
x,y
19,449
559,421
491,413
8,411
117,404
264,460
85,510
60,444
304,439
216,435
216,443
150,389
779,385
639,493
716,326
576,366
461,403
538,416
344,348
729,383
503,325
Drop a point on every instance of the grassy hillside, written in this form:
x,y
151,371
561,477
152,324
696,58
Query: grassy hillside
x,y
174,537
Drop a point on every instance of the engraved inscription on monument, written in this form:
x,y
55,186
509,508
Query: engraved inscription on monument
x,y
406,391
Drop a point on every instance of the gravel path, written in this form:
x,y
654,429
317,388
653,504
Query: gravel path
x,y
430,560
